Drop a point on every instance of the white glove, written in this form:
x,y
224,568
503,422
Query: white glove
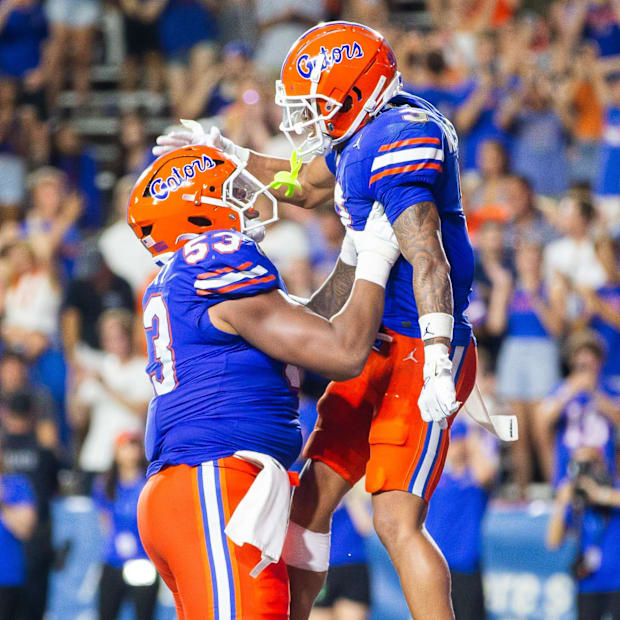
x,y
197,136
177,139
437,401
376,246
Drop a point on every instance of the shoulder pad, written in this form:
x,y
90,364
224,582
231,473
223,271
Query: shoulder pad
x,y
227,264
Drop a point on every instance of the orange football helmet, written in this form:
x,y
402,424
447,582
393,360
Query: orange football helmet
x,y
334,78
189,191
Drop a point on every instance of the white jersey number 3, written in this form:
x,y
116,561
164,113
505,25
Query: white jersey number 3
x,y
156,318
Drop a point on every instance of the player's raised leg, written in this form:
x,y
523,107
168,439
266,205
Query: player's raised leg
x,y
338,451
314,502
423,572
407,457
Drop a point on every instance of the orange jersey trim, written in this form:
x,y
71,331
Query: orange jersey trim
x,y
238,285
219,272
395,145
410,168
216,272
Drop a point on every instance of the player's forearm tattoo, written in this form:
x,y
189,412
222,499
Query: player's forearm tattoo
x,y
334,292
418,230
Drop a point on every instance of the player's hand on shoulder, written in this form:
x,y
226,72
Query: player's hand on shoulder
x,y
437,401
195,135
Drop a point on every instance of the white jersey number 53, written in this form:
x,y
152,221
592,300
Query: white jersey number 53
x,y
156,318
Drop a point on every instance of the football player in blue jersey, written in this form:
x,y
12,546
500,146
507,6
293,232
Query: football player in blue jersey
x,y
377,151
224,342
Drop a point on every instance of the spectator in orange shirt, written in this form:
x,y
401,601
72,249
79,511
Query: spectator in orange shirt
x,y
588,112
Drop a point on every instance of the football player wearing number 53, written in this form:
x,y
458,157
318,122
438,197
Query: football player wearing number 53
x,y
224,342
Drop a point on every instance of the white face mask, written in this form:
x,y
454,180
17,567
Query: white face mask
x,y
240,192
303,124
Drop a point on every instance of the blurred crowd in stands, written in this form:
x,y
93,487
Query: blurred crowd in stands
x,y
533,89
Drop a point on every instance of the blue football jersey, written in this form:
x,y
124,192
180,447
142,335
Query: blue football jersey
x,y
406,155
582,424
214,392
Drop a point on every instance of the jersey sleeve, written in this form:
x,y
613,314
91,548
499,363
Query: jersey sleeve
x,y
234,268
330,162
406,167
610,392
18,491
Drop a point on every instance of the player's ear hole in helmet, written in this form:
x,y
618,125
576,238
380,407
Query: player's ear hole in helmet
x,y
347,104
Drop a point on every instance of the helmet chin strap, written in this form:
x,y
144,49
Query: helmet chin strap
x,y
327,144
257,234
392,89
326,141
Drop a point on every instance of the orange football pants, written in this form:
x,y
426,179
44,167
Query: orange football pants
x,y
372,424
182,513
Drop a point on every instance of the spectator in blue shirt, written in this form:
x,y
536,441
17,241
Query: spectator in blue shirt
x,y
436,89
455,515
127,571
17,521
80,169
480,98
607,188
602,311
23,29
187,34
588,505
50,223
538,123
426,74
23,454
530,316
597,21
581,412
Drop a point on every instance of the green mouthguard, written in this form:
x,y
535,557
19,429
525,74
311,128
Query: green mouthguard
x,y
289,179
